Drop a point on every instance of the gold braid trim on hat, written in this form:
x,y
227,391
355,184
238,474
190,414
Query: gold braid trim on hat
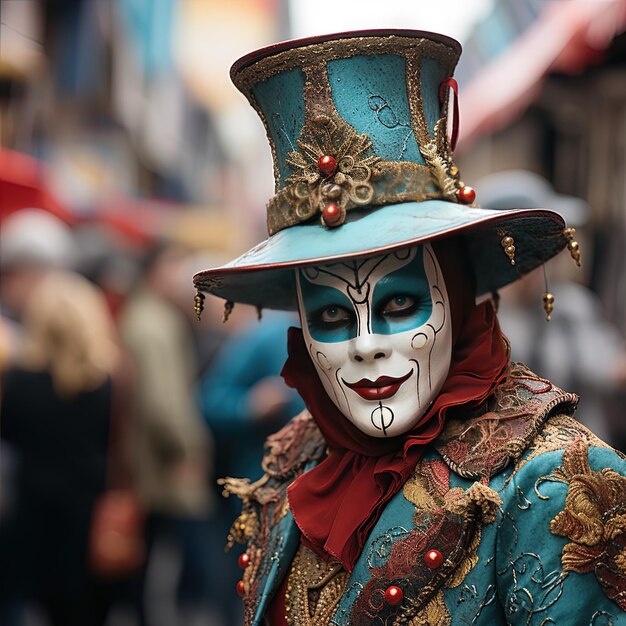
x,y
361,179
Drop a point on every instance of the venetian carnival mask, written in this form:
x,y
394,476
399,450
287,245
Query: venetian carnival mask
x,y
379,333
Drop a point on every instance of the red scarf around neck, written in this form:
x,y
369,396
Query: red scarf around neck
x,y
337,503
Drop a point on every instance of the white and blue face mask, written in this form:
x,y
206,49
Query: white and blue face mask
x,y
380,336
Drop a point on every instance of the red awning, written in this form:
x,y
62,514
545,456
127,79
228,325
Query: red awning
x,y
22,186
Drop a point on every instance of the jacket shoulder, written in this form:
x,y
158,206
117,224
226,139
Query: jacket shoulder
x,y
562,528
294,446
287,454
483,445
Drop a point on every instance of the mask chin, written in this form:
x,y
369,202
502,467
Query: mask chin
x,y
384,362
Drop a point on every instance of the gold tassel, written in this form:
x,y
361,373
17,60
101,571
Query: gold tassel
x,y
572,245
548,305
198,304
228,309
508,245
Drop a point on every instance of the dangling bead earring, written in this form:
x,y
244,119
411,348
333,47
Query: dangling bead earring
x,y
508,245
572,245
198,304
228,309
548,298
548,305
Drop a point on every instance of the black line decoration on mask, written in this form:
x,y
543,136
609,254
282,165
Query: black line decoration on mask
x,y
324,371
354,289
383,425
343,391
417,382
438,302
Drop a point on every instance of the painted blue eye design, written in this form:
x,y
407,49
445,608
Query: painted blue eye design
x,y
399,306
332,317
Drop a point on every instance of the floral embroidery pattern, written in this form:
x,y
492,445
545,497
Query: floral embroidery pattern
x,y
594,520
482,446
446,520
348,184
351,180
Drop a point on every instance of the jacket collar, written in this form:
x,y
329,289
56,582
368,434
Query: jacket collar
x,y
483,446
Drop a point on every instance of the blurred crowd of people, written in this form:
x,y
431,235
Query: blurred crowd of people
x,y
108,392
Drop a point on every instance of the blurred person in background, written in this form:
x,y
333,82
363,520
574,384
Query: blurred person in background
x,y
244,400
579,349
173,445
56,408
109,260
33,242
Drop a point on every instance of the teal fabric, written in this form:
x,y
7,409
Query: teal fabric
x,y
525,584
281,98
371,95
431,74
283,545
537,234
284,542
518,579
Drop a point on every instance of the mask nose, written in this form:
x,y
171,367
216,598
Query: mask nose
x,y
368,348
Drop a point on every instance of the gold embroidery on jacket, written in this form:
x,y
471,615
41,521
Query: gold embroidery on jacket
x,y
435,613
593,519
314,588
558,432
428,488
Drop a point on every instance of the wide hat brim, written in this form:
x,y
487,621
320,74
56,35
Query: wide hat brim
x,y
264,276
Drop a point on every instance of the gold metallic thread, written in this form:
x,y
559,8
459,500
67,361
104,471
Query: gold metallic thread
x,y
314,589
572,245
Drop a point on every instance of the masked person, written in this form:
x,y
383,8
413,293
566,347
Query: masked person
x,y
430,480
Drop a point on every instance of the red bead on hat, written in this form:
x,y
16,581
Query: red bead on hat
x,y
332,215
466,194
327,164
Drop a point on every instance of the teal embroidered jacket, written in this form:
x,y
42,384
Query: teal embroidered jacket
x,y
526,507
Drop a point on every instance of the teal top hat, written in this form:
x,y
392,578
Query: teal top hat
x,y
357,123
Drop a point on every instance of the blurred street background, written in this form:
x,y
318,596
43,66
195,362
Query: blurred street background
x,y
128,162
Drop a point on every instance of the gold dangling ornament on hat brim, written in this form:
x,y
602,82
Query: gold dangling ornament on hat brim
x,y
508,245
548,305
548,298
228,309
572,245
198,304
